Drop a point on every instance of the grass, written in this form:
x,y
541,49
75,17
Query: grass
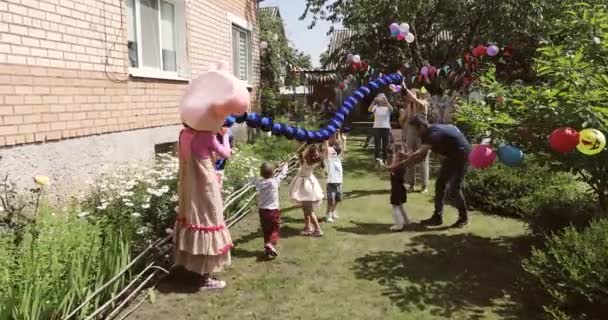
x,y
360,270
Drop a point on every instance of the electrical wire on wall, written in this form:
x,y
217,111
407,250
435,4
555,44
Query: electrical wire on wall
x,y
112,74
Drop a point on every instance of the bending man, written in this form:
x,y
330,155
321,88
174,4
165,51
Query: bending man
x,y
448,141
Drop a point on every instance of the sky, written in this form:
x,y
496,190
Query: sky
x,y
312,42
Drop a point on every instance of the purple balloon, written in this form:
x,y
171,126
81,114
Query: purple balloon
x,y
424,71
394,27
492,50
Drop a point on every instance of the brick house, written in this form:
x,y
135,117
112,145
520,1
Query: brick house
x,y
85,85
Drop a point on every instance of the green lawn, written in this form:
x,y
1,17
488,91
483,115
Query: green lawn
x,y
360,270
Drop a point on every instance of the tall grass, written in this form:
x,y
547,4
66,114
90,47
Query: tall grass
x,y
61,260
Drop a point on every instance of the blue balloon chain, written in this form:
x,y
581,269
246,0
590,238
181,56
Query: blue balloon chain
x,y
266,124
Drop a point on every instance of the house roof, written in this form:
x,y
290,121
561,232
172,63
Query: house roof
x,y
272,11
338,37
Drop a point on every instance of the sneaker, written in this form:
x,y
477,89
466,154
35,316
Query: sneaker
x,y
397,227
306,233
317,234
213,284
334,215
461,223
424,190
270,251
435,220
329,218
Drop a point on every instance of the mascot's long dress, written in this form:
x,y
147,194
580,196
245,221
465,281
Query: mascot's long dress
x,y
202,240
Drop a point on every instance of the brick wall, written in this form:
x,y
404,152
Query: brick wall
x,y
64,67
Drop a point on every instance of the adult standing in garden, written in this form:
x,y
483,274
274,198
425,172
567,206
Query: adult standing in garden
x,y
449,142
382,110
416,105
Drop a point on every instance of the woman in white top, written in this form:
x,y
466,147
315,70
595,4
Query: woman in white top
x,y
382,126
415,104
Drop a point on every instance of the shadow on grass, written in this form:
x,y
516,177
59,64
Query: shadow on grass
x,y
354,194
447,274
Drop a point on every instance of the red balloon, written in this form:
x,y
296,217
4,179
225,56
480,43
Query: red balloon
x,y
342,85
432,71
564,140
480,51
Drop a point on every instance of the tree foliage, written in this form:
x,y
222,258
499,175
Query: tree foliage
x,y
570,91
276,61
516,22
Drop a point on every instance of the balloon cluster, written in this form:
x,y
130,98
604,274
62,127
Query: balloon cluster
x,y
588,141
402,32
356,63
266,124
483,156
563,140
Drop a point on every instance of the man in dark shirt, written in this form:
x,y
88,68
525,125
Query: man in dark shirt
x,y
448,141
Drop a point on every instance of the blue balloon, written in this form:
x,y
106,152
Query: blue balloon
x,y
336,123
277,129
510,155
310,136
229,121
253,120
241,118
340,117
348,104
344,110
382,81
352,100
359,94
301,134
374,85
332,129
325,134
318,136
288,131
266,124
365,90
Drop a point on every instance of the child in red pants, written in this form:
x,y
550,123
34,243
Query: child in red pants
x,y
267,187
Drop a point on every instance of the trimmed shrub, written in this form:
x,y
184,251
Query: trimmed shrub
x,y
572,271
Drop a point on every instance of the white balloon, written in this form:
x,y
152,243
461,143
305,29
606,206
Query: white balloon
x,y
409,38
404,27
356,58
263,44
349,57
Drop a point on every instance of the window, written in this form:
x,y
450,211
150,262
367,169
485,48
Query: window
x,y
241,53
156,36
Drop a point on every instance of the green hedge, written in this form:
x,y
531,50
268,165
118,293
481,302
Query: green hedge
x,y
572,271
547,201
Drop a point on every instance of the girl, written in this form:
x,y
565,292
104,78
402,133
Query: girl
x,y
398,191
306,191
382,127
333,168
415,104
202,241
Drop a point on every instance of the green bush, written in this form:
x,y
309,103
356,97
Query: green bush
x,y
572,271
512,192
545,200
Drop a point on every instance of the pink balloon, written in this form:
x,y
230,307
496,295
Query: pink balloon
x,y
482,156
424,71
211,97
400,37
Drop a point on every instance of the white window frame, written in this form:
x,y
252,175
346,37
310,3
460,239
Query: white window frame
x,y
180,33
236,21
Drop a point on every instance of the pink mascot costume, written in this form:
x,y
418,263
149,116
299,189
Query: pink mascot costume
x,y
202,240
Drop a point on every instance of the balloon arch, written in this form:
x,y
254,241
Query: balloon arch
x,y
254,120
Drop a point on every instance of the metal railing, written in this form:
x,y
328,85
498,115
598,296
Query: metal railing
x,y
152,253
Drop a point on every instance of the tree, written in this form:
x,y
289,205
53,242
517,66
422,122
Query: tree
x,y
276,61
444,29
570,91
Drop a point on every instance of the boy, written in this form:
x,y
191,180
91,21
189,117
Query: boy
x,y
267,187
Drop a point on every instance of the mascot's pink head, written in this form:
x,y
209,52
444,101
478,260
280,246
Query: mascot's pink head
x,y
211,97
